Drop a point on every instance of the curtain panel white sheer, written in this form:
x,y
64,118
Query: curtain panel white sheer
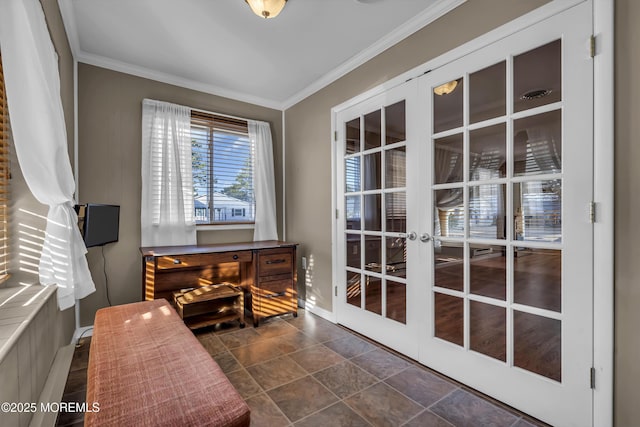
x,y
264,182
33,91
167,215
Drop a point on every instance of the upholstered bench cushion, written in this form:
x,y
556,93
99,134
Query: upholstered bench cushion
x,y
146,368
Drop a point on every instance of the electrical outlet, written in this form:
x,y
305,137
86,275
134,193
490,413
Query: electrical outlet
x,y
304,262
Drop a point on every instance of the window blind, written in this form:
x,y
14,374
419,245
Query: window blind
x,y
223,160
4,180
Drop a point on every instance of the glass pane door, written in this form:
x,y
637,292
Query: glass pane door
x,y
508,186
374,240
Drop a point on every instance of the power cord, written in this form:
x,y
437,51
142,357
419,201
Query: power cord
x,y
106,278
78,345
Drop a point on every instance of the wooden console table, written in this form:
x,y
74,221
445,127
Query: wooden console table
x,y
266,270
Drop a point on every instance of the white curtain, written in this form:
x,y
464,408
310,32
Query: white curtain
x,y
263,182
37,120
167,216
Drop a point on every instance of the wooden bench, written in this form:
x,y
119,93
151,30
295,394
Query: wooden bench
x,y
146,368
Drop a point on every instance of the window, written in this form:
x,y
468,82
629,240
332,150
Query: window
x,y
223,166
4,180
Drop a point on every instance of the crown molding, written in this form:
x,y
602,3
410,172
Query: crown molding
x,y
147,73
416,23
438,9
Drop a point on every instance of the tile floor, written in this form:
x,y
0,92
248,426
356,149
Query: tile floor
x,y
306,371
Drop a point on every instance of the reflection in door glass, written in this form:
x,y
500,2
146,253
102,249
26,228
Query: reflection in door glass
x,y
488,330
397,256
395,123
537,343
353,250
488,93
537,144
449,266
449,317
537,278
373,253
372,130
371,172
352,131
487,152
397,301
352,205
373,294
488,271
372,212
537,209
447,105
486,211
395,168
448,159
537,77
396,211
352,174
449,218
354,292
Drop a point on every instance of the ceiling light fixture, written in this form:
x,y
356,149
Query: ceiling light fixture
x,y
446,88
266,8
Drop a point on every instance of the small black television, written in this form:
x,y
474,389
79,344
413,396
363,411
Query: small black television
x,y
101,224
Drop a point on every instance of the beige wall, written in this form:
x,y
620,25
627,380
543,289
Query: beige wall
x,y
109,129
308,129
308,173
627,209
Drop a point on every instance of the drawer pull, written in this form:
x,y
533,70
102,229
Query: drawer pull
x,y
235,257
279,294
276,261
177,261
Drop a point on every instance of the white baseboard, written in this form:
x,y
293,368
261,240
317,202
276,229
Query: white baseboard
x,y
321,312
54,387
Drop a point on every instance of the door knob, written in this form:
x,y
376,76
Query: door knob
x,y
425,237
411,236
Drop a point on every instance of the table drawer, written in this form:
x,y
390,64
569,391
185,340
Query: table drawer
x,y
198,260
278,261
275,288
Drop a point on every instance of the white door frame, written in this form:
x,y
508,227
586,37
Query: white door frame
x,y
603,122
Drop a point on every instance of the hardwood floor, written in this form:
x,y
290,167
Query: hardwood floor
x,y
313,373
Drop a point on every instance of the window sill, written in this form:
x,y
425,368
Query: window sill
x,y
210,227
18,306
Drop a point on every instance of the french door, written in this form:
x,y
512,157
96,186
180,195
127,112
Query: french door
x,y
378,144
465,239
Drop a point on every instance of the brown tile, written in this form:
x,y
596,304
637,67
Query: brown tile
x,y
381,363
265,413
463,408
420,385
529,423
258,352
227,362
80,360
290,343
345,379
381,405
275,328
338,415
240,338
325,331
244,383
306,320
276,372
301,398
350,346
316,358
212,344
427,419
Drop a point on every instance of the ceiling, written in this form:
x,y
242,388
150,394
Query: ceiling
x,y
221,47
